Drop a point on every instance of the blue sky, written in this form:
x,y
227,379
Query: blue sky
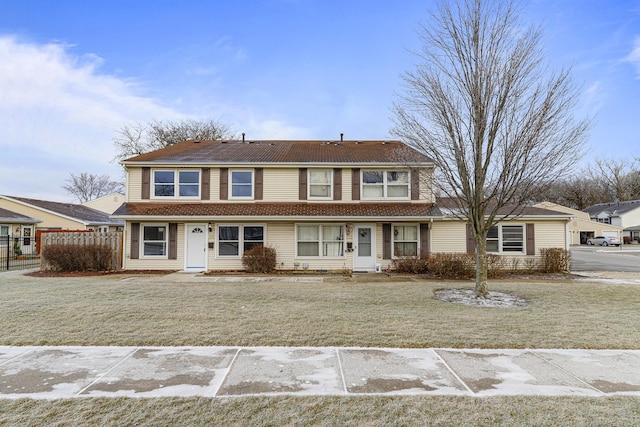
x,y
73,72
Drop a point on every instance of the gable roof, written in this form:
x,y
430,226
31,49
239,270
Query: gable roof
x,y
15,218
612,209
281,151
75,212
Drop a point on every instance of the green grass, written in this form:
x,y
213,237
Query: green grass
x,y
399,312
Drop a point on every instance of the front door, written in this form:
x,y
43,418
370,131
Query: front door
x,y
365,247
196,247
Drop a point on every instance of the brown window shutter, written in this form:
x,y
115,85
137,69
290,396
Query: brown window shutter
x,y
135,240
424,239
531,239
471,246
302,183
224,183
415,185
146,183
173,240
355,184
337,184
258,180
205,179
386,241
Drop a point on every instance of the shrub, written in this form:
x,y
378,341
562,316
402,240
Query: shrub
x,y
411,264
452,266
259,259
78,257
555,260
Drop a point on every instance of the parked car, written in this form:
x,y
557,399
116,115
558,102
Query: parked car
x,y
603,241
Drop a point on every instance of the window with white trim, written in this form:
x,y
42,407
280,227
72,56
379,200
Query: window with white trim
x,y
320,184
233,237
4,234
405,240
506,238
320,240
241,184
380,184
154,240
165,184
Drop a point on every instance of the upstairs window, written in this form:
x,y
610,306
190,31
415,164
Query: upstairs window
x,y
379,184
176,183
241,184
320,184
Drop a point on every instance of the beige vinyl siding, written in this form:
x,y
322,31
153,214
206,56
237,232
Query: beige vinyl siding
x,y
153,263
549,234
426,193
448,236
280,185
134,184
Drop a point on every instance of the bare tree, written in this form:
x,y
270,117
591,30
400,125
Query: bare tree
x,y
134,139
86,186
483,106
620,178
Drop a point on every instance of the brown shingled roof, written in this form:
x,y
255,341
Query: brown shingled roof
x,y
283,152
302,210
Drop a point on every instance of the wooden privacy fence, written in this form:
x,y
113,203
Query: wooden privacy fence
x,y
112,239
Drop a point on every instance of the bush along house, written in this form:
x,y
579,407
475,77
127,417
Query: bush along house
x,y
322,205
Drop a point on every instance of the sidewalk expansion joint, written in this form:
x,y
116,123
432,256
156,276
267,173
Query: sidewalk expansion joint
x,y
104,374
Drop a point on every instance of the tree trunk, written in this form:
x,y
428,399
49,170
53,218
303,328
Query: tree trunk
x,y
481,289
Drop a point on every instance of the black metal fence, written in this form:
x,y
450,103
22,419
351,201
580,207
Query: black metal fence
x,y
18,253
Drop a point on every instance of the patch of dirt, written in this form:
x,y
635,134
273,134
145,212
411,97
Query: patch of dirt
x,y
50,273
468,297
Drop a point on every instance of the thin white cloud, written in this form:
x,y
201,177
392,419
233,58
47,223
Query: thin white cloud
x,y
60,114
634,56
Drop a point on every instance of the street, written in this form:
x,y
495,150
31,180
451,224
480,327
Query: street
x,y
602,258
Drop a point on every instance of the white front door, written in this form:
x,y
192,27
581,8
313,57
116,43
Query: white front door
x,y
196,258
365,247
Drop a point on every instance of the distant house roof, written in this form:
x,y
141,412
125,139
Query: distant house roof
x,y
612,209
278,151
284,210
79,213
448,206
7,216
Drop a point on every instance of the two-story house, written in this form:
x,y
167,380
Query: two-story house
x,y
323,206
621,214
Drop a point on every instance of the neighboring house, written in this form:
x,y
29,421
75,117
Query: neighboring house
x,y
323,205
107,204
582,227
16,232
60,216
622,214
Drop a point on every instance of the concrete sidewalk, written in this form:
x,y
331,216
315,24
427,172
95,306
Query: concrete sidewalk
x,y
67,372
